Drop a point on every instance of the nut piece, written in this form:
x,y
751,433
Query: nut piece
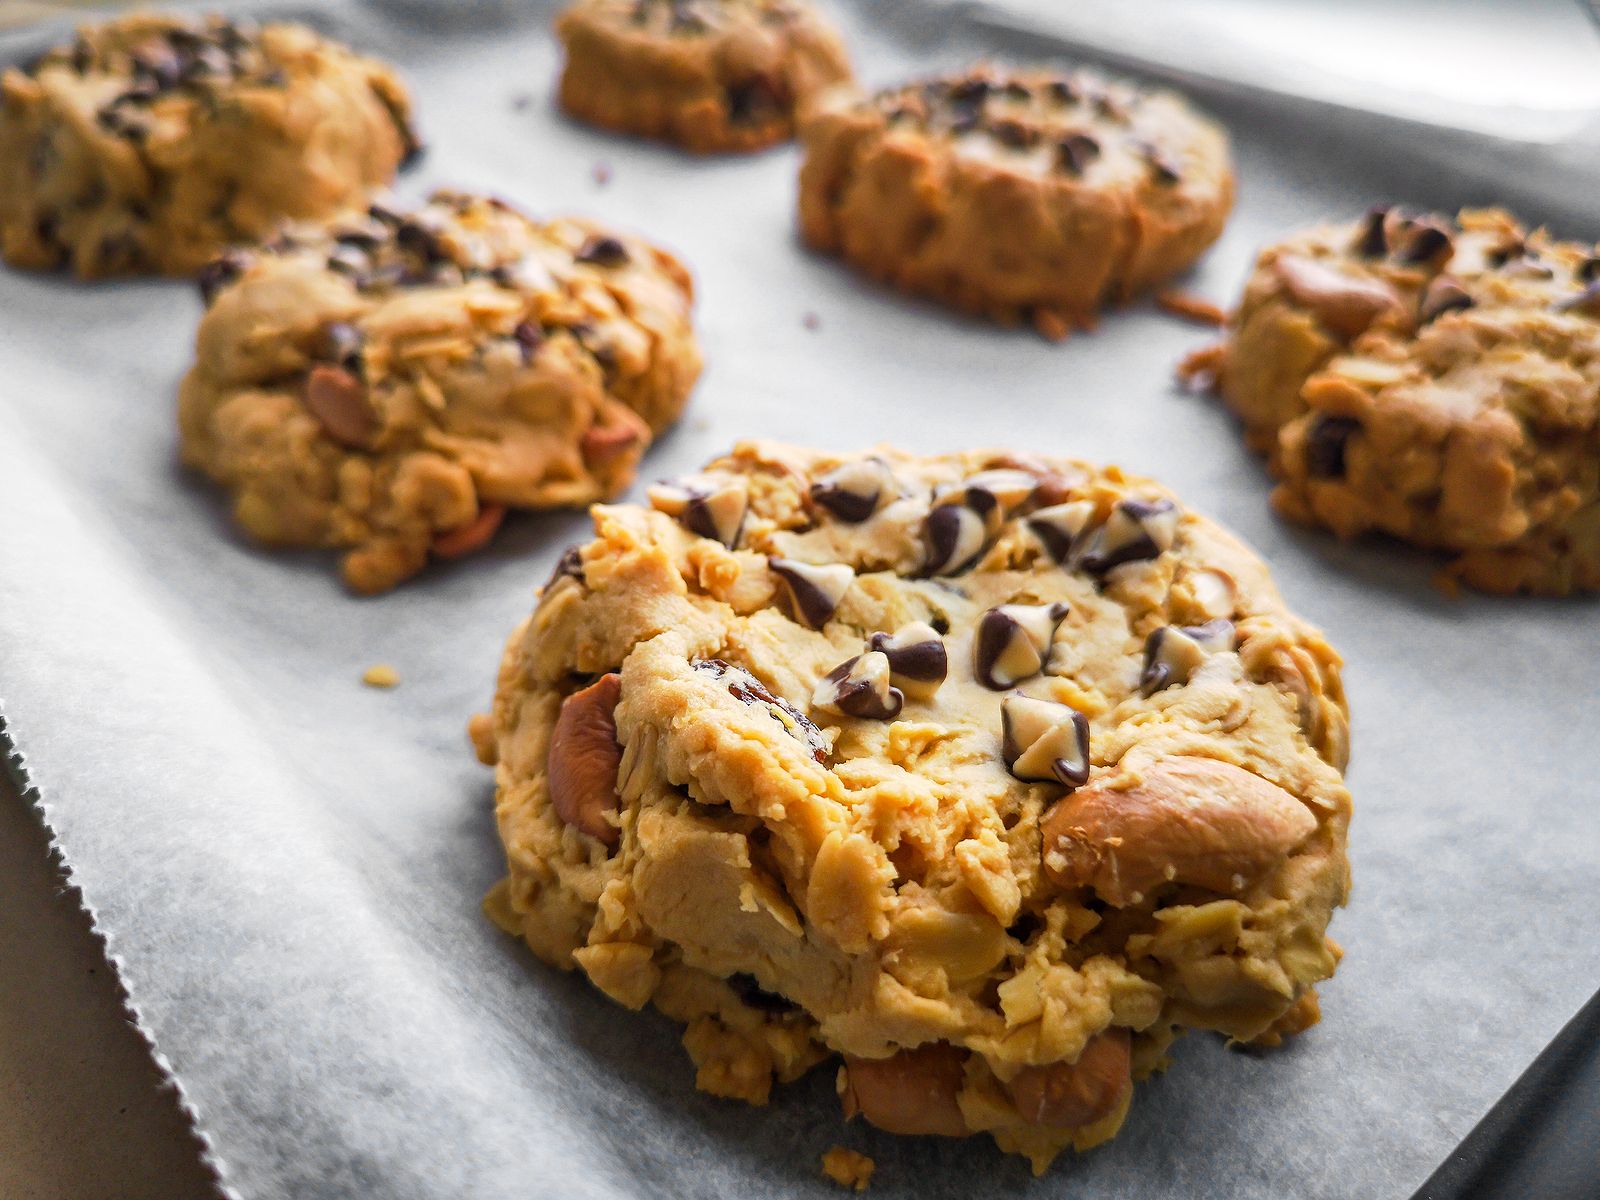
x,y
1013,643
918,662
1067,1095
339,400
602,444
856,490
1059,527
1043,741
1173,653
1135,530
1344,303
910,1092
860,687
814,591
473,535
711,508
584,757
1194,821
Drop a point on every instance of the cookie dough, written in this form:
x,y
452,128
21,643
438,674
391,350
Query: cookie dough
x,y
709,75
990,774
151,143
392,384
1026,195
1433,378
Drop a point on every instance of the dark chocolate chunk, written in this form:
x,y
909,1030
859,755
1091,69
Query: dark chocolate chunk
x,y
1325,446
1371,240
1063,91
1589,270
755,99
1426,244
1018,135
1075,152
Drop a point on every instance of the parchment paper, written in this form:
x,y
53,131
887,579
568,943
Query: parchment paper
x,y
287,866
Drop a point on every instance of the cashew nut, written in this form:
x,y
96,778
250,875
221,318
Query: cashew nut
x,y
912,1091
1346,304
584,757
339,400
1188,820
601,444
1067,1095
472,535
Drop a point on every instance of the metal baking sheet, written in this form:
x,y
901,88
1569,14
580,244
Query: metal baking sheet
x,y
287,866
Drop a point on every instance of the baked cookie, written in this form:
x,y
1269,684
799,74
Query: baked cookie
x,y
151,143
709,75
1435,379
1025,195
991,774
393,383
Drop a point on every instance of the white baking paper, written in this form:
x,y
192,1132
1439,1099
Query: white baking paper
x,y
287,866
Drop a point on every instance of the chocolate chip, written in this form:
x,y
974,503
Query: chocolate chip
x,y
386,215
1075,152
1427,245
1042,741
755,99
1018,135
753,995
603,252
953,536
159,64
1016,90
1163,166
1173,653
918,661
1013,643
220,272
529,337
854,491
1135,530
1062,91
412,235
1371,241
351,261
1589,270
814,591
860,687
747,689
340,343
970,91
569,566
704,506
1443,294
1060,526
1325,446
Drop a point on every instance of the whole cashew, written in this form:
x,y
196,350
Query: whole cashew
x,y
1346,304
584,756
912,1091
1188,820
1067,1095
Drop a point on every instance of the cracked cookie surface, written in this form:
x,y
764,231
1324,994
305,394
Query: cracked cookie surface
x,y
1021,195
1432,378
393,384
151,143
708,75
991,774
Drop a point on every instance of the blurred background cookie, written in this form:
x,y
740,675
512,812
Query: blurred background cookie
x,y
1021,195
1433,378
392,385
708,75
150,143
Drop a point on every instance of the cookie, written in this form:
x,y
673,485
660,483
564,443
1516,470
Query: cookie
x,y
708,75
151,143
991,774
1025,195
1436,379
392,384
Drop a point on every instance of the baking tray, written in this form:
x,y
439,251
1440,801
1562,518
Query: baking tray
x,y
287,866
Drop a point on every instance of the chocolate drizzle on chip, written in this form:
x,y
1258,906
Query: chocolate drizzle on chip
x,y
860,687
1042,741
1173,653
918,661
711,508
814,591
747,689
1135,530
1013,643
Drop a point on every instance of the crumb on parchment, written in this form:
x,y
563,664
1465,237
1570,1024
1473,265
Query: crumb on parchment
x,y
1191,307
381,675
848,1168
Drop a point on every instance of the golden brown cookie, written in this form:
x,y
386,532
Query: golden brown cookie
x,y
1436,379
1025,195
151,143
393,384
709,75
990,774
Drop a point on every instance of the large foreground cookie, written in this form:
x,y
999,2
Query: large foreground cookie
x,y
1434,379
393,384
151,143
1020,195
710,75
991,774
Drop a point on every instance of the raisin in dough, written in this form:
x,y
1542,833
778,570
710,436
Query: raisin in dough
x,y
709,75
152,143
393,384
1435,379
1023,196
991,774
